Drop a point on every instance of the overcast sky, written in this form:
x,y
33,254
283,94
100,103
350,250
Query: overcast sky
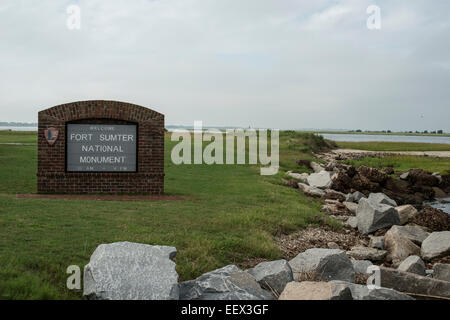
x,y
265,63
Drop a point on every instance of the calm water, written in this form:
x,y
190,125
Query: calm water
x,y
443,206
384,137
18,128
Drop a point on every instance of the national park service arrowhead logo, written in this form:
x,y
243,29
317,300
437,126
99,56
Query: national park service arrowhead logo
x,y
51,134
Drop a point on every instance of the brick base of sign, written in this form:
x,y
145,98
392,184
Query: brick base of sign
x,y
79,183
52,176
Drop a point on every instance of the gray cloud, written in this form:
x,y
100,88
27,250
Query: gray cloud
x,y
267,63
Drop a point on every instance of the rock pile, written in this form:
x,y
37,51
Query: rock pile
x,y
383,207
377,207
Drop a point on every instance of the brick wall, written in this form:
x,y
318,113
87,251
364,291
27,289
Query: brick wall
x,y
52,175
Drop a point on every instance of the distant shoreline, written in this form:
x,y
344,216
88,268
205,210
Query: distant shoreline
x,y
6,126
379,133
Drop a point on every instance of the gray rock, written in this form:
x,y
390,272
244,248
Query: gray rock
x,y
436,245
303,177
376,242
413,264
227,283
360,266
358,196
429,273
441,271
361,292
333,245
413,284
349,197
412,232
309,290
321,180
352,222
407,213
364,253
404,176
131,271
399,247
310,191
373,216
351,206
317,167
381,198
273,275
328,264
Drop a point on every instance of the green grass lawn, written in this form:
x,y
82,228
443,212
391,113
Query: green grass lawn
x,y
394,146
402,163
230,215
7,136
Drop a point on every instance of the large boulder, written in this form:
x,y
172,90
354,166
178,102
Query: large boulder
x,y
329,264
399,247
407,213
308,290
413,264
365,253
441,271
413,284
436,245
373,216
227,283
131,271
361,292
273,275
412,232
321,180
381,198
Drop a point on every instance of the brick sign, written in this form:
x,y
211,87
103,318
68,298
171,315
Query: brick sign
x,y
100,147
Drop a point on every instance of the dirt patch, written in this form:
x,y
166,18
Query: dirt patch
x,y
434,219
293,244
99,197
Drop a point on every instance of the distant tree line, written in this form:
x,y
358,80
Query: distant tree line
x,y
389,131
